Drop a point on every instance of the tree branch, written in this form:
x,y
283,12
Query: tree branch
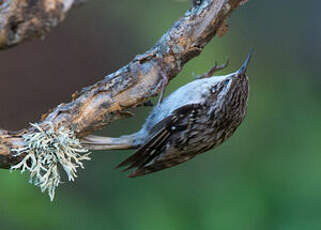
x,y
107,100
22,20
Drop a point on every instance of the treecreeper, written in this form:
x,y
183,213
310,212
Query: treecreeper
x,y
195,118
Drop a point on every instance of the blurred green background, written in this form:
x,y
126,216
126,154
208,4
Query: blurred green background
x,y
266,176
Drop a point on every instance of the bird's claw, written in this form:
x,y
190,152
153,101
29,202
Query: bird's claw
x,y
164,83
214,69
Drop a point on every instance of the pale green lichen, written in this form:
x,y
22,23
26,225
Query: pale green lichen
x,y
46,151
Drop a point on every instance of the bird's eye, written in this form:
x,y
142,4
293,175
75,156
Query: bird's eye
x,y
226,82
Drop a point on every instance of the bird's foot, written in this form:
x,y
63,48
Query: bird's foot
x,y
164,83
214,69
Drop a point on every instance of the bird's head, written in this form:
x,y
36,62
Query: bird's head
x,y
227,86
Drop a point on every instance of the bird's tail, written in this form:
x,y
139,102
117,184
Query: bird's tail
x,y
93,142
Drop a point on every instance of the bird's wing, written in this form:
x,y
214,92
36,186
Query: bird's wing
x,y
147,158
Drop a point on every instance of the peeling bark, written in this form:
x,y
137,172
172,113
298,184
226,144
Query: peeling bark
x,y
107,100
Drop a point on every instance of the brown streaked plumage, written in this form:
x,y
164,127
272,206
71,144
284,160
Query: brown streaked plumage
x,y
195,118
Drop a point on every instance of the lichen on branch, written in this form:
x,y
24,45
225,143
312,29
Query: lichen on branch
x,y
45,152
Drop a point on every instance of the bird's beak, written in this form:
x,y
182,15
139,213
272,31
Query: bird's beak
x,y
243,68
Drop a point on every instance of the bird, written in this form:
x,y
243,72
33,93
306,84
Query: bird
x,y
195,118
